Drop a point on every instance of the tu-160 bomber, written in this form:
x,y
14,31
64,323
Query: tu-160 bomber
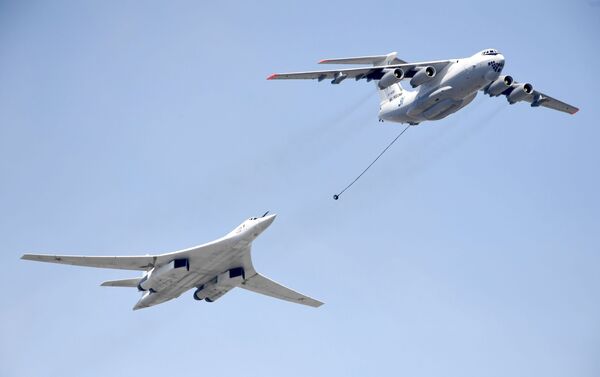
x,y
213,269
442,87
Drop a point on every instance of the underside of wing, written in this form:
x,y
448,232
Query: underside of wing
x,y
368,73
516,92
541,99
363,72
142,263
260,284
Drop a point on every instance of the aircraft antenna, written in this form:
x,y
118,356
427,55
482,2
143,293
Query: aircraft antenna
x,y
337,196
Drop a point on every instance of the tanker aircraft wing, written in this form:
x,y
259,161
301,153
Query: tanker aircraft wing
x,y
368,73
540,99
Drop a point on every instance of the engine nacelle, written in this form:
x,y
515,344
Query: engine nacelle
x,y
423,75
519,92
160,276
390,77
220,284
498,86
339,77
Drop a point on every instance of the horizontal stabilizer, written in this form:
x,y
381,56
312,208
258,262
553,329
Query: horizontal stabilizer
x,y
373,59
260,284
131,283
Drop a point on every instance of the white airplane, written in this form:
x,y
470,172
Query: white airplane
x,y
213,269
443,86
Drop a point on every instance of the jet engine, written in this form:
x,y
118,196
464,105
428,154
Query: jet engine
x,y
339,77
423,75
498,86
390,77
220,284
163,275
519,92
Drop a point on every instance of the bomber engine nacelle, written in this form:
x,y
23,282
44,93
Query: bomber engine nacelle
x,y
220,284
390,77
519,92
160,276
498,86
422,76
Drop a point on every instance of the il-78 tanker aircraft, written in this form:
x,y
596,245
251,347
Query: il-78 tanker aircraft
x,y
442,87
213,269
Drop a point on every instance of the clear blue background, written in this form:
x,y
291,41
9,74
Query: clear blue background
x,y
133,127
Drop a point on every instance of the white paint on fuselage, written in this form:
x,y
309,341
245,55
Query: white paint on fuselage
x,y
450,89
230,251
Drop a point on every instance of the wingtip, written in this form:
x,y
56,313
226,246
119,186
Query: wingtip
x,y
272,76
575,112
310,302
322,61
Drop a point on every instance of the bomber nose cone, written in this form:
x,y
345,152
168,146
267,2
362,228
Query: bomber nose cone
x,y
268,220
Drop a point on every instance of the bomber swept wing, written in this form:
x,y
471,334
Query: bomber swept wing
x,y
202,253
263,285
143,263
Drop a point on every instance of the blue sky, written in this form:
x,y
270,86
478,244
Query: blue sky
x,y
471,248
